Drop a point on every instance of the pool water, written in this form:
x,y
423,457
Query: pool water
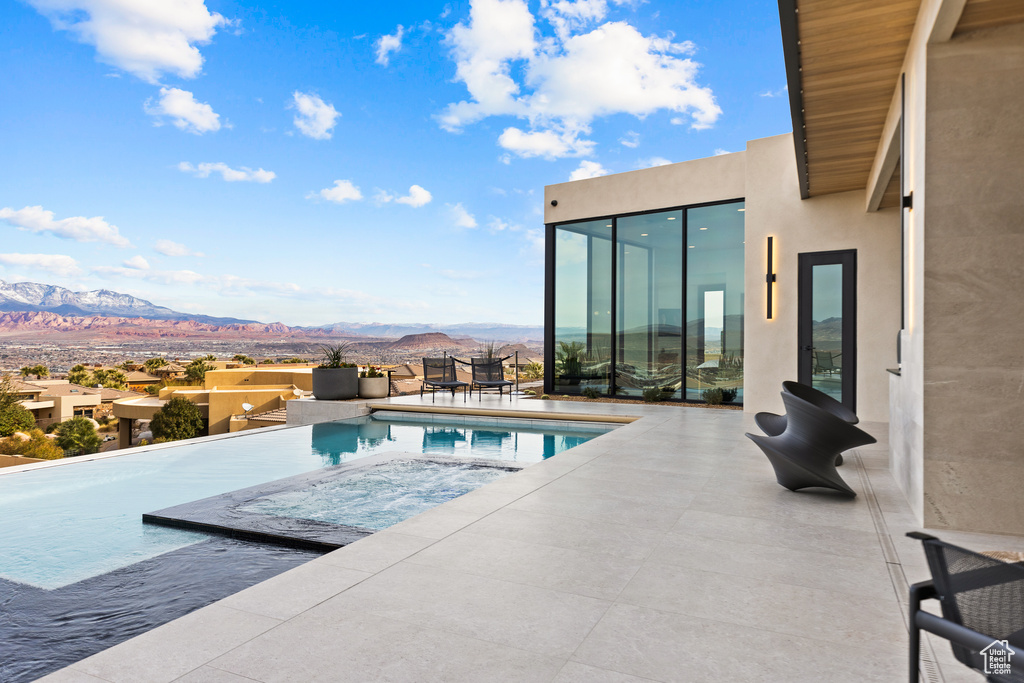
x,y
381,497
60,525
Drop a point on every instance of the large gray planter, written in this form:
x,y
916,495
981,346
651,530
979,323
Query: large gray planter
x,y
335,384
373,387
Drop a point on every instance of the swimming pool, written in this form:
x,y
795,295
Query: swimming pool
x,y
60,525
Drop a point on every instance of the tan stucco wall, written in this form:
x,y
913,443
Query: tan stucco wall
x,y
661,187
15,460
973,282
824,223
301,377
227,401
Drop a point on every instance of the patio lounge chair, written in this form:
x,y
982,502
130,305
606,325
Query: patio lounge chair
x,y
439,373
489,373
773,425
982,602
804,454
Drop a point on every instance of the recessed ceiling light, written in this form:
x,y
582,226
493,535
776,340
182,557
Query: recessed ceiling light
x,y
703,228
671,218
691,246
610,225
643,234
741,209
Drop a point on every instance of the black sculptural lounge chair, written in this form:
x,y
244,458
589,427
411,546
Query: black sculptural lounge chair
x,y
804,454
488,373
982,602
773,425
439,373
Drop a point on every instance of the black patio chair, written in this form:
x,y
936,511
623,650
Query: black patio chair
x,y
773,425
439,373
982,601
804,454
489,373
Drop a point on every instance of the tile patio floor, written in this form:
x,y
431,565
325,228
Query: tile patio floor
x,y
662,551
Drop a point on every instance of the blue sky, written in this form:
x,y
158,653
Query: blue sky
x,y
313,162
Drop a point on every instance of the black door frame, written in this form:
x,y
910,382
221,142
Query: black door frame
x,y
847,258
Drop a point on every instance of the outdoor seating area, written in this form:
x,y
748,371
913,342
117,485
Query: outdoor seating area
x,y
982,599
662,555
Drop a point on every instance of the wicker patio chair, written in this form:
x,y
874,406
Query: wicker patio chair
x,y
773,425
982,601
804,454
439,373
489,373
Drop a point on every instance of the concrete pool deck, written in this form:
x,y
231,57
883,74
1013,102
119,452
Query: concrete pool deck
x,y
664,550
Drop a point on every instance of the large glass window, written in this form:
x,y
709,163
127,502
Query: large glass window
x,y
714,301
583,306
650,304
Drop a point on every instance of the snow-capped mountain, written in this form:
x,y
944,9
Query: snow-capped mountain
x,y
34,296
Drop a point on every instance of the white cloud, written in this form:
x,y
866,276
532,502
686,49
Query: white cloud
x,y
495,224
776,93
143,38
588,169
535,246
417,197
137,262
719,151
243,173
388,44
631,139
545,143
184,111
36,219
343,191
169,248
316,118
53,263
653,161
559,85
462,218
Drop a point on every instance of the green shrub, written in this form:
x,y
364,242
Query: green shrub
x,y
652,395
15,418
78,436
591,392
533,371
712,396
529,392
37,446
545,397
728,395
178,419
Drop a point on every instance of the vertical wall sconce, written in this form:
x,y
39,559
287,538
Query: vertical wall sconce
x,y
769,277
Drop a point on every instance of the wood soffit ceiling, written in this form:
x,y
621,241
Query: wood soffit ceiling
x,y
850,55
988,14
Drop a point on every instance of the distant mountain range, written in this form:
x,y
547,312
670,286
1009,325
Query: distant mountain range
x,y
27,307
33,296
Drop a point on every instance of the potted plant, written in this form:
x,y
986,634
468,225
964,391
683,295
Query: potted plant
x,y
373,383
335,379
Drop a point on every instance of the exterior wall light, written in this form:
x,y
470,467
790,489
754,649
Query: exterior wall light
x,y
769,277
554,202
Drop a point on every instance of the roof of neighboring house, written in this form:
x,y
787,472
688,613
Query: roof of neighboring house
x,y
69,390
25,387
138,377
170,367
107,395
